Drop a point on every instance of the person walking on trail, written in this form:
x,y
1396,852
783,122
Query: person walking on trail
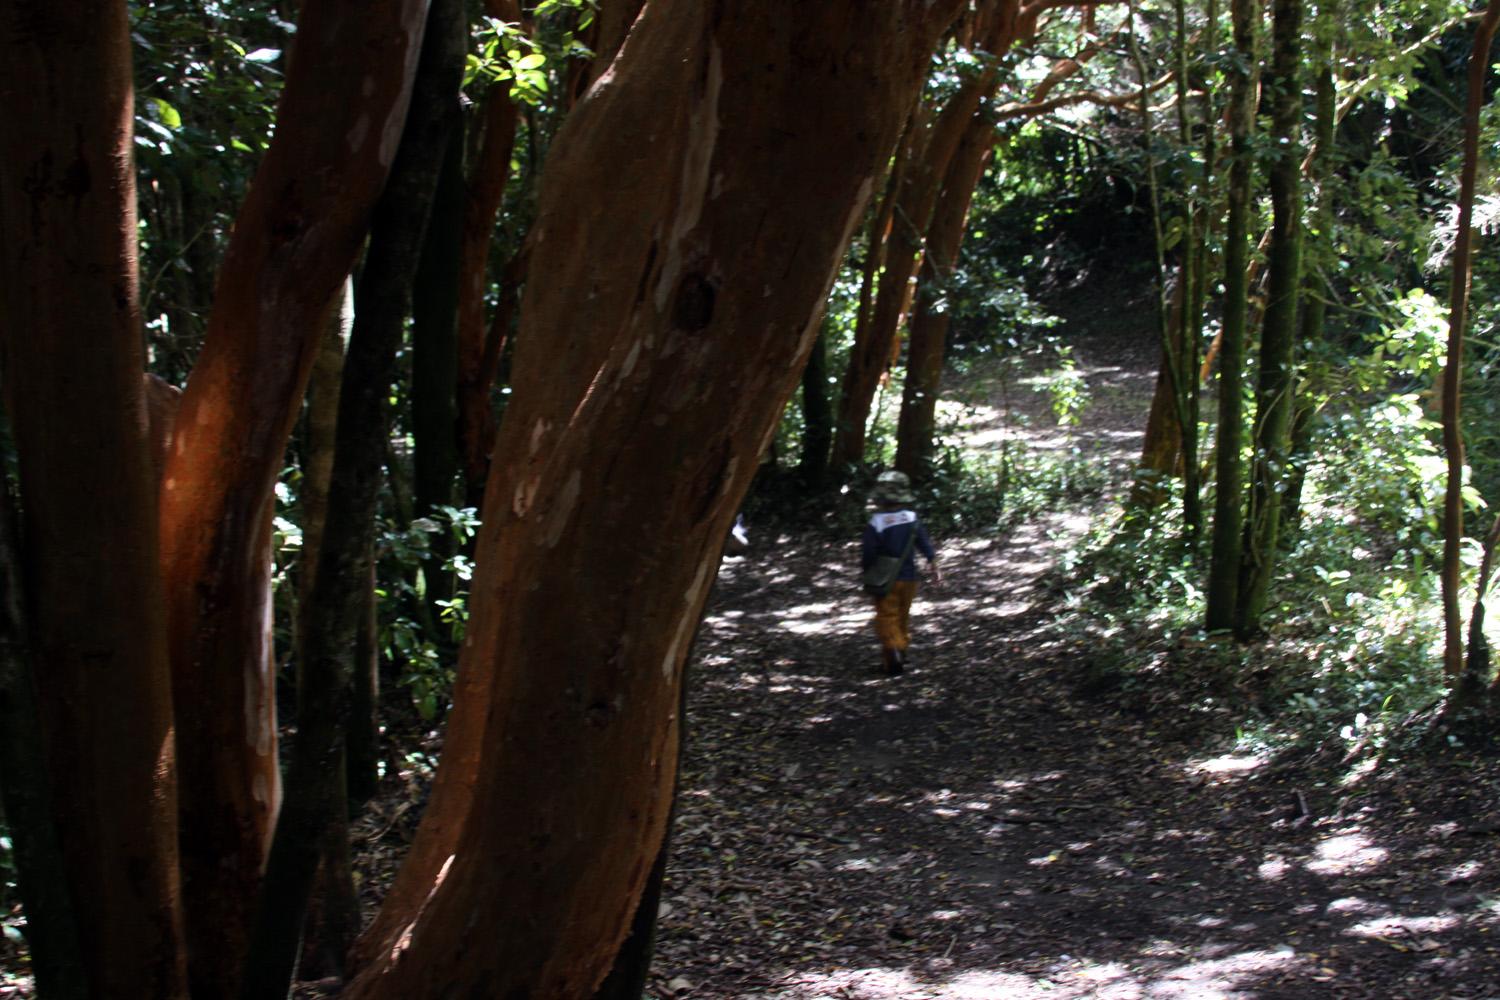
x,y
894,531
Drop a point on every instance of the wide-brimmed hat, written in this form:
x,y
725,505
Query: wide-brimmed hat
x,y
892,487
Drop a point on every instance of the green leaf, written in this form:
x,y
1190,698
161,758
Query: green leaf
x,y
166,114
532,61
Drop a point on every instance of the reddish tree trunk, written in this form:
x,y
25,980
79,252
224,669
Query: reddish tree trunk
x,y
612,21
1161,448
649,373
1004,21
476,425
929,324
70,322
294,241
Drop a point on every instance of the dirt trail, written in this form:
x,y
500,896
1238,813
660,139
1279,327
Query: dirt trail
x,y
978,829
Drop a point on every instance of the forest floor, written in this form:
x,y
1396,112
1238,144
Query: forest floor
x,y
981,827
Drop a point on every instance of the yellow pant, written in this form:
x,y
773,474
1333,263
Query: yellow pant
x,y
893,615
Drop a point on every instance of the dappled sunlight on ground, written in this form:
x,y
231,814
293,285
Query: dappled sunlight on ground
x,y
973,829
978,829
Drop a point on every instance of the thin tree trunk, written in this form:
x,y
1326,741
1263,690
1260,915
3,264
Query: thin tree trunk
x,y
1458,306
295,239
921,183
1205,215
1189,315
876,240
318,440
1276,376
1223,578
1162,456
334,896
434,337
486,192
1318,255
363,755
655,365
817,415
70,329
26,791
1170,444
314,820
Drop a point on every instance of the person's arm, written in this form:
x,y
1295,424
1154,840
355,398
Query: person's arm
x,y
869,544
924,544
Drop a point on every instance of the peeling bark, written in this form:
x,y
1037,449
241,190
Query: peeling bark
x,y
652,368
294,241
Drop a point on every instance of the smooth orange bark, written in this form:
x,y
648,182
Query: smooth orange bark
x,y
294,241
689,232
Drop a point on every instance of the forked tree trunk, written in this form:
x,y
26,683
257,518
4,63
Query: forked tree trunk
x,y
604,36
294,241
1275,375
729,152
70,323
1229,500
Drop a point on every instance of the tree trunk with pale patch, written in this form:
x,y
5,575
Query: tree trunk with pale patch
x,y
714,178
296,238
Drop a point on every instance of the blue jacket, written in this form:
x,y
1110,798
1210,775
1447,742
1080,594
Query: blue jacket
x,y
886,535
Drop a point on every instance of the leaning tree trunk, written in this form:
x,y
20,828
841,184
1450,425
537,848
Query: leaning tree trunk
x,y
916,425
921,183
649,373
1229,518
316,800
1275,381
70,330
1458,305
1162,453
294,241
